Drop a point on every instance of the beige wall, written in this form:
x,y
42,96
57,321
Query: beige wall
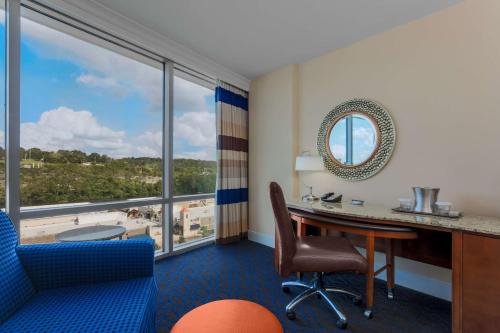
x,y
273,142
439,77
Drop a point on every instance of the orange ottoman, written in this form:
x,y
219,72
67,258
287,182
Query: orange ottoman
x,y
228,316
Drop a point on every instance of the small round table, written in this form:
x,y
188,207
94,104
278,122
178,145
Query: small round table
x,y
92,233
228,316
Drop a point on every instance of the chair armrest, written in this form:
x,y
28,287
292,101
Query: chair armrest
x,y
68,264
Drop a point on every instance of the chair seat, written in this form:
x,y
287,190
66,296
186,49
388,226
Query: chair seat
x,y
327,254
121,306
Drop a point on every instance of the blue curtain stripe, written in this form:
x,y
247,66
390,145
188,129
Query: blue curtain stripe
x,y
225,197
229,97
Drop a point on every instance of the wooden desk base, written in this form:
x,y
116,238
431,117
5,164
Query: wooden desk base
x,y
473,257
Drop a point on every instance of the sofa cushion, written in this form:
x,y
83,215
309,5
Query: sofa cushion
x,y
61,265
15,286
122,306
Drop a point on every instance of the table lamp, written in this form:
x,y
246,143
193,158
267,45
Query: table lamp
x,y
309,163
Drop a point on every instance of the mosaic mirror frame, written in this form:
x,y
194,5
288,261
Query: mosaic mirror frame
x,y
386,139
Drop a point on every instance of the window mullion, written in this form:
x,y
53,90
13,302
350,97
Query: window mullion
x,y
168,160
12,115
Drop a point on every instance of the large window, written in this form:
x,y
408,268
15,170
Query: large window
x,y
194,152
194,137
101,146
91,118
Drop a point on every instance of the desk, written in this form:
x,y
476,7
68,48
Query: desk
x,y
474,247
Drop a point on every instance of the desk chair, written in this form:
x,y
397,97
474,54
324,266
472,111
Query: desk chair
x,y
318,255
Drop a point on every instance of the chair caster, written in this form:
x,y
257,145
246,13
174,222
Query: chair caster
x,y
357,301
291,315
368,314
286,290
390,293
342,324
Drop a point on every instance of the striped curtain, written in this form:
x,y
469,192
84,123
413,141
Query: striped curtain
x,y
232,163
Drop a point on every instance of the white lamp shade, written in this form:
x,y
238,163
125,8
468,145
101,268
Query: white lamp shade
x,y
309,163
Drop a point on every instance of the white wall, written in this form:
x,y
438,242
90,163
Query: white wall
x,y
272,145
439,77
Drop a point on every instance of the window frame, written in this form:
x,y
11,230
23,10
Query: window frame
x,y
12,124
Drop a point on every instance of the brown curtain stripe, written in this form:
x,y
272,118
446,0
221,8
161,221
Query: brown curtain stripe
x,y
225,142
232,163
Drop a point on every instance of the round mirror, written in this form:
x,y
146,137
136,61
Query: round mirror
x,y
356,139
353,139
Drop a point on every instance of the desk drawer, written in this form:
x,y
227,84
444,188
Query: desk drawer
x,y
480,284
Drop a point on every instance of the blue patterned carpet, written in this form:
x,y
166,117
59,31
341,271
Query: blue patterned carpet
x,y
246,271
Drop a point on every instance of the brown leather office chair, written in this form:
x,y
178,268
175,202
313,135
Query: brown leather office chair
x,y
319,255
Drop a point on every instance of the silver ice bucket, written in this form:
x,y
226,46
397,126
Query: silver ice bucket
x,y
425,199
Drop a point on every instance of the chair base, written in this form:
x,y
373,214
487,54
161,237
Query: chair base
x,y
390,293
316,287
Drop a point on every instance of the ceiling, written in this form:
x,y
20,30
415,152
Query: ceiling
x,y
253,37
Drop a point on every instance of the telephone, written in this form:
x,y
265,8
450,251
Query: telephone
x,y
331,197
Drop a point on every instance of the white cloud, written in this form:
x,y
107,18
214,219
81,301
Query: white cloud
x,y
338,151
64,128
96,81
190,97
149,144
60,128
196,128
118,89
364,135
364,143
111,66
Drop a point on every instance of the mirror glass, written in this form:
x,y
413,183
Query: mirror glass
x,y
353,139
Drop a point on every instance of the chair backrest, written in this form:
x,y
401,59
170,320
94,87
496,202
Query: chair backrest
x,y
15,286
286,245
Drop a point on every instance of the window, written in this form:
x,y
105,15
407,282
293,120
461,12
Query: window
x,y
195,167
137,221
91,118
95,136
193,220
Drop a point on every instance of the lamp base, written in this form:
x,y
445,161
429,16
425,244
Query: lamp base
x,y
309,197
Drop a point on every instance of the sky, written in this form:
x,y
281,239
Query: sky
x,y
363,136
77,95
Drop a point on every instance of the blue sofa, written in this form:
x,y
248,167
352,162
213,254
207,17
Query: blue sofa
x,y
105,286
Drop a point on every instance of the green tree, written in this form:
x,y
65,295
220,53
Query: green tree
x,y
62,178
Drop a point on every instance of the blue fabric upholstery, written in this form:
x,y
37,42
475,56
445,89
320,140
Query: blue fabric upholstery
x,y
121,306
67,264
15,286
105,286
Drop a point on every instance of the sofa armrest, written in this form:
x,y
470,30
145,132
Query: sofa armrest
x,y
68,264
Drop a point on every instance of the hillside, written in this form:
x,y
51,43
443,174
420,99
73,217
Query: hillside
x,y
74,176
